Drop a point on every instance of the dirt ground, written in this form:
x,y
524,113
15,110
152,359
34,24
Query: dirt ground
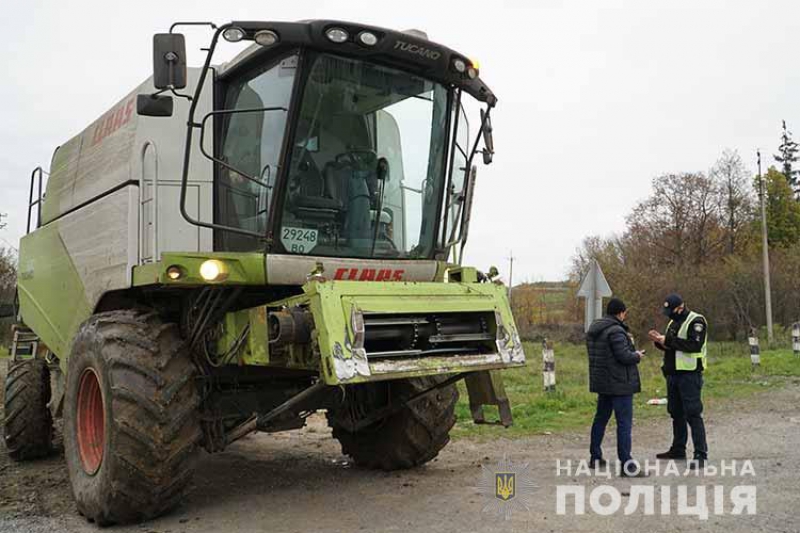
x,y
299,481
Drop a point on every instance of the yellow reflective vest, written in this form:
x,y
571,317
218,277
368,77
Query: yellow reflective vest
x,y
688,361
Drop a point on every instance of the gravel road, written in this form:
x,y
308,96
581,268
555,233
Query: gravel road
x,y
299,481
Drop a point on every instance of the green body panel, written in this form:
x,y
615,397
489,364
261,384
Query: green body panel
x,y
244,268
51,294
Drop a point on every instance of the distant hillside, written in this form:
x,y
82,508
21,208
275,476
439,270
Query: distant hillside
x,y
544,302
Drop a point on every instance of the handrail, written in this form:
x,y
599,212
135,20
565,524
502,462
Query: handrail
x,y
38,202
150,144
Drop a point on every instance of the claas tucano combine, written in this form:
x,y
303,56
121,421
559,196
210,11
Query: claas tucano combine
x,y
234,247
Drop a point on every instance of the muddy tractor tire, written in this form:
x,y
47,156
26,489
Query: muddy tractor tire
x,y
28,424
410,437
131,420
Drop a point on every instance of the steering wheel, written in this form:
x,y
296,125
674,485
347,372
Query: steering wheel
x,y
361,157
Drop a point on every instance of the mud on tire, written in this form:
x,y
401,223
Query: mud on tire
x,y
131,424
28,424
413,436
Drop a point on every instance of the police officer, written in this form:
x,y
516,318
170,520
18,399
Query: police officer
x,y
684,346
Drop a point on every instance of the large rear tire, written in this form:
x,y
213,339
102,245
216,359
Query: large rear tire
x,y
131,424
411,437
28,424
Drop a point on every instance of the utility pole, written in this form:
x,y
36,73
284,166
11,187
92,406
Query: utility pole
x,y
765,249
510,274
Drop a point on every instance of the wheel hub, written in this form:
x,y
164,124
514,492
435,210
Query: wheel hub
x,y
91,430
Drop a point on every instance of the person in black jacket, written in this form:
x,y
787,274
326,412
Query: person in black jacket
x,y
614,376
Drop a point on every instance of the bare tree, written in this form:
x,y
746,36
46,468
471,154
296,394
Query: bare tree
x,y
679,222
735,196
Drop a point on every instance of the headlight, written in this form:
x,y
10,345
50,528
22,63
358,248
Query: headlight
x,y
266,37
233,34
337,35
459,65
213,270
472,73
368,38
174,272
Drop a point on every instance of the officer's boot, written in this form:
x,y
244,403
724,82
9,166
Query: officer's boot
x,y
672,454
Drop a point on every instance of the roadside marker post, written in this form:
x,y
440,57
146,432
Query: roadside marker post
x,y
549,366
755,351
796,338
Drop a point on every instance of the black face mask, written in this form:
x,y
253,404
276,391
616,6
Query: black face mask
x,y
676,315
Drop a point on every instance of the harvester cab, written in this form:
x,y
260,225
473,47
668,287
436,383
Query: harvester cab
x,y
235,246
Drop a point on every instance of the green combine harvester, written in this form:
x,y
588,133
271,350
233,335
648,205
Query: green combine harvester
x,y
234,247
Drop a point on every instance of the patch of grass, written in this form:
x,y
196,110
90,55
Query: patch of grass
x,y
729,374
3,352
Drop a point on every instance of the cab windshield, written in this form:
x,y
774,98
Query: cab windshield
x,y
367,163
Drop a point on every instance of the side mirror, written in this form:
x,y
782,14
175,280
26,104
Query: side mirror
x,y
148,105
169,61
488,140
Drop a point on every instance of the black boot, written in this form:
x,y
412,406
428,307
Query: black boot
x,y
671,454
698,463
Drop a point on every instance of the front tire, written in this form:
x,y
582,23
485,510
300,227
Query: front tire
x,y
131,424
28,423
411,437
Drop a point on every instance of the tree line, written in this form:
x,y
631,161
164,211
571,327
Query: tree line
x,y
699,234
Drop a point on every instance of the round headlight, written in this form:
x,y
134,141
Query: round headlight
x,y
368,38
174,272
472,73
337,35
233,34
213,270
266,37
460,65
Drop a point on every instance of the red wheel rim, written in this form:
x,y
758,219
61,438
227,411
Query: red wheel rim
x,y
91,422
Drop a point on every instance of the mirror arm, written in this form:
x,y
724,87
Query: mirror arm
x,y
179,95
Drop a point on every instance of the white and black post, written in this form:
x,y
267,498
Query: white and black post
x,y
549,366
796,338
755,351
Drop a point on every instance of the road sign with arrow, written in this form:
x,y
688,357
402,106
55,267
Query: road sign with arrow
x,y
594,288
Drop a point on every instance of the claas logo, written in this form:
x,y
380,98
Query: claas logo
x,y
505,485
369,274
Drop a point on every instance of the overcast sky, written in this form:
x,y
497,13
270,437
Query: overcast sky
x,y
596,98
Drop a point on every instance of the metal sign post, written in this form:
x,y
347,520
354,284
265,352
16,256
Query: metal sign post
x,y
594,288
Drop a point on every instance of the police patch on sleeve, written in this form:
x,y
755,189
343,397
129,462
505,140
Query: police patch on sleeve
x,y
698,327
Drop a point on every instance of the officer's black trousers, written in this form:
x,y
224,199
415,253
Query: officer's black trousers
x,y
685,405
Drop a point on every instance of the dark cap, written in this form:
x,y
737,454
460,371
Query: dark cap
x,y
670,303
615,306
